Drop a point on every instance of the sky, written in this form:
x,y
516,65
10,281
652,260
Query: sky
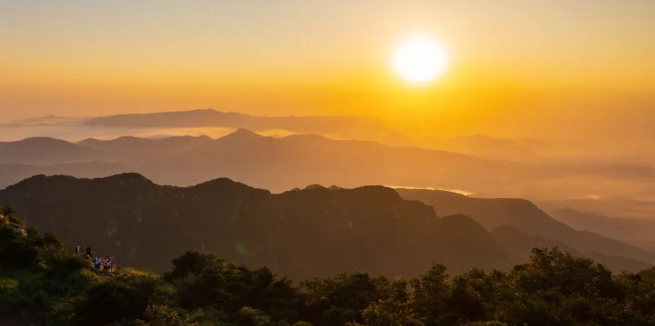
x,y
516,68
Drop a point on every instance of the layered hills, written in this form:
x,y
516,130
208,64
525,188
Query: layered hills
x,y
283,163
302,233
315,231
342,126
536,226
637,231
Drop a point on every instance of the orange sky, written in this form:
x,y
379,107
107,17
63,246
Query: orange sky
x,y
516,66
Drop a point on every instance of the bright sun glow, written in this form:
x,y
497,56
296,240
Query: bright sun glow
x,y
419,60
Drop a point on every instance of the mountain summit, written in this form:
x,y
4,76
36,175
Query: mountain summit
x,y
301,233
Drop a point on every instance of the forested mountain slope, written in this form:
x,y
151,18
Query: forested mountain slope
x,y
304,233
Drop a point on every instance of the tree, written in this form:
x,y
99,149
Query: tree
x,y
123,298
430,292
341,299
253,317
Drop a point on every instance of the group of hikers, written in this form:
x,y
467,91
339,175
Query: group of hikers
x,y
100,263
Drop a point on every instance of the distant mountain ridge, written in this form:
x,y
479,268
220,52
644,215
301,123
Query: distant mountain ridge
x,y
14,173
44,150
287,162
636,231
344,126
301,233
280,164
524,216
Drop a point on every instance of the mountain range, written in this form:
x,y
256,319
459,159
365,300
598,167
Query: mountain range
x,y
283,163
525,217
302,233
342,126
194,122
554,173
636,231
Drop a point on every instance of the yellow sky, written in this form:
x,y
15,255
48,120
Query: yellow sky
x,y
510,60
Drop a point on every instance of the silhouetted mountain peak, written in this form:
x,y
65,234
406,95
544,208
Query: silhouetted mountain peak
x,y
242,135
124,140
40,142
366,195
201,137
314,186
87,141
131,140
318,186
40,180
379,192
129,178
31,180
224,184
44,150
205,110
212,111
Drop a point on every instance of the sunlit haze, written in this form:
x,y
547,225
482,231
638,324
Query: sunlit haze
x,y
555,82
516,66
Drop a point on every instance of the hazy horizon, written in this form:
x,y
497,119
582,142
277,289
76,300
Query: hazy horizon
x,y
514,69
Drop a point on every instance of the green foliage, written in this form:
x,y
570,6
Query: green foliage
x,y
122,298
18,249
553,288
557,288
9,212
208,317
302,323
38,274
162,316
647,275
253,317
342,299
192,263
10,293
430,292
203,280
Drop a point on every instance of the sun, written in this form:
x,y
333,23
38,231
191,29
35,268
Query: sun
x,y
419,60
